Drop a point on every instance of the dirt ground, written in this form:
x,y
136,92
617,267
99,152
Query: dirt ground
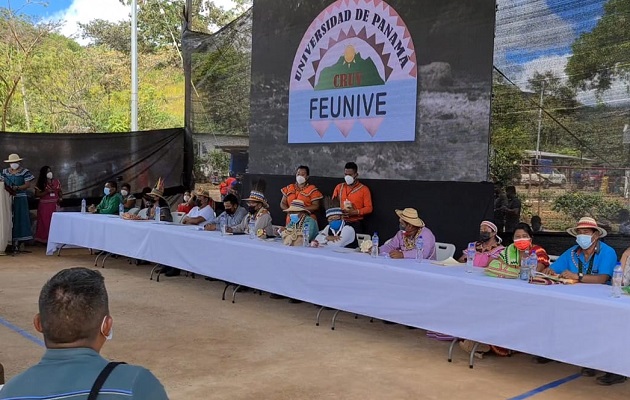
x,y
203,348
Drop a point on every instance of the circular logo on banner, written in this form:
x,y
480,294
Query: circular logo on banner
x,y
354,77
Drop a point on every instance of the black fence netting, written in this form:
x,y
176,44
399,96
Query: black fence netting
x,y
83,163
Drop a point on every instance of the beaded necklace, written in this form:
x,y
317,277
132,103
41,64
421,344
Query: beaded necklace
x,y
578,263
409,242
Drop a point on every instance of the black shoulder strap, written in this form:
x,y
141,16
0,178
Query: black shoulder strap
x,y
102,377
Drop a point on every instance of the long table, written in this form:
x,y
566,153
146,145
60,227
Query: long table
x,y
577,324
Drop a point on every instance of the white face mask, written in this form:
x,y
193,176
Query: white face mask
x,y
349,179
14,165
111,331
186,199
49,175
300,179
124,193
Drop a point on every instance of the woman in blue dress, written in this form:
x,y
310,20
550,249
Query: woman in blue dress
x,y
18,179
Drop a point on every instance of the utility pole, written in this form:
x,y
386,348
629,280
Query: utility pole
x,y
134,65
540,109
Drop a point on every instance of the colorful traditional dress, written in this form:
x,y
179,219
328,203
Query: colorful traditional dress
x,y
47,206
308,194
21,217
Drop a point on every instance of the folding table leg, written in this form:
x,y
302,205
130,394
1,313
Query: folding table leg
x,y
450,349
105,258
234,293
319,313
100,253
471,362
59,250
227,285
334,319
158,273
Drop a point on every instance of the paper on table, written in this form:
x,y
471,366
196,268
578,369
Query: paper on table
x,y
449,262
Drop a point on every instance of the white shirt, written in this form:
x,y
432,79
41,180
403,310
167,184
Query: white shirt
x,y
207,213
347,236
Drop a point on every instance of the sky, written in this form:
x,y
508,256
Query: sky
x,y
75,11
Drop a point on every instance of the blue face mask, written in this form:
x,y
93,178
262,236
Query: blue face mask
x,y
584,241
295,218
106,191
336,224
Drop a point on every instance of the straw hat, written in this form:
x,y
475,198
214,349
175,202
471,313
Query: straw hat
x,y
410,216
296,206
589,223
202,192
158,190
13,158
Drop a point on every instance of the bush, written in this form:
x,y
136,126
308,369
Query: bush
x,y
579,204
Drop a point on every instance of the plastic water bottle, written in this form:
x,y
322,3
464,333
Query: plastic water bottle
x,y
524,272
83,206
157,213
374,251
533,264
251,227
222,224
616,280
419,248
306,232
121,209
471,251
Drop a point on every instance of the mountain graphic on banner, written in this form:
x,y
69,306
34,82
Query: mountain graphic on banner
x,y
365,67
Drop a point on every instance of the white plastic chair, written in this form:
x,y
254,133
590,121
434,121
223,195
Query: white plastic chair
x,y
134,211
362,237
178,216
444,251
143,213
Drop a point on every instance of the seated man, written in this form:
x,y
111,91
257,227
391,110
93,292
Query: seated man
x,y
202,212
299,216
403,245
258,213
337,233
74,338
590,261
233,214
110,202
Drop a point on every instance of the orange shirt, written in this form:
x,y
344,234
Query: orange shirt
x,y
360,197
308,194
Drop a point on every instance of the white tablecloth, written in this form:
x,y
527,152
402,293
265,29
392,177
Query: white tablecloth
x,y
578,324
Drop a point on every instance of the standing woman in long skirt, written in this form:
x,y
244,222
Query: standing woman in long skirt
x,y
48,190
19,179
6,221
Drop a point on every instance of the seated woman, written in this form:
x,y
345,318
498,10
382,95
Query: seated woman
x,y
299,216
188,204
511,257
336,233
403,245
488,246
129,200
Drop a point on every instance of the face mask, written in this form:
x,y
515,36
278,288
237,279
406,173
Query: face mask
x,y
584,241
402,227
106,191
124,193
186,199
148,203
14,165
251,209
111,331
336,224
522,244
300,179
49,175
484,236
349,179
295,218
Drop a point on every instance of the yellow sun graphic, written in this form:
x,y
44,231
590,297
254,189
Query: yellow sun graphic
x,y
348,55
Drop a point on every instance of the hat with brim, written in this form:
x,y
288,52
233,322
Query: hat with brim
x,y
202,192
296,206
158,189
410,216
13,158
587,223
257,196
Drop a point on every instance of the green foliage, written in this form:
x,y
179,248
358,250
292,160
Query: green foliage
x,y
214,161
580,204
603,55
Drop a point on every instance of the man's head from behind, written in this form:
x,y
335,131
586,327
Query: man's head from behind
x,y
74,310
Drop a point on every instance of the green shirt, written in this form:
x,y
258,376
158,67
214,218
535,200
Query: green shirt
x,y
109,204
70,374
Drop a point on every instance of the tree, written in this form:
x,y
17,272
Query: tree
x,y
114,35
20,40
601,56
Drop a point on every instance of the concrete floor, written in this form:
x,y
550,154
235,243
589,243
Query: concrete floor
x,y
203,348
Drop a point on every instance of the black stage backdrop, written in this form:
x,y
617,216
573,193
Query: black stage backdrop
x,y
454,48
452,210
84,162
